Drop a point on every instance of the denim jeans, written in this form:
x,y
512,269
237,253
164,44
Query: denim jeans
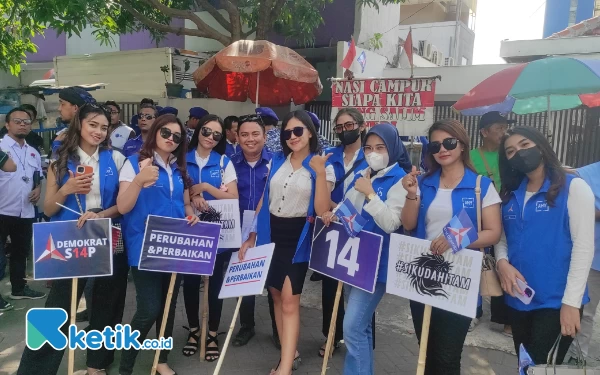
x,y
358,329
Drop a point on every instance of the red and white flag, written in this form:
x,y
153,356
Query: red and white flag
x,y
408,47
350,56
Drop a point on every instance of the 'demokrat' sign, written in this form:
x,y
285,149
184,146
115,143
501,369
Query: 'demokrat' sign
x,y
406,103
449,281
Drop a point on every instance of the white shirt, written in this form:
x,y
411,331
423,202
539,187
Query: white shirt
x,y
581,210
229,174
386,214
128,173
349,166
16,186
440,210
290,190
119,136
93,199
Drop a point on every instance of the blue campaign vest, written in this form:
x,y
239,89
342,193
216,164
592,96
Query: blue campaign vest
x,y
211,172
263,230
381,186
463,196
539,244
337,161
133,146
109,188
154,200
231,149
251,181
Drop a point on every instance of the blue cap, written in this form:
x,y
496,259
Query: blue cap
x,y
170,110
198,112
266,112
158,108
315,120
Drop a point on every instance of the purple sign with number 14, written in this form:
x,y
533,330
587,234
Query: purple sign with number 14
x,y
354,261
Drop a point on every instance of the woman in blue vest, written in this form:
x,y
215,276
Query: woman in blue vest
x,y
153,182
213,177
93,195
347,160
378,196
443,192
298,188
548,243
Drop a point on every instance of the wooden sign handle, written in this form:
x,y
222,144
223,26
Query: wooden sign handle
x,y
331,335
164,319
204,319
74,301
424,340
229,334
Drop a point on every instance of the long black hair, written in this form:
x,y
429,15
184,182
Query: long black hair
x,y
511,178
305,119
68,149
221,145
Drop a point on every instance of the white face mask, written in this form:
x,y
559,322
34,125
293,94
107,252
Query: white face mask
x,y
377,161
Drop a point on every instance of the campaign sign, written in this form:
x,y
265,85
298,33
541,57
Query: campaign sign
x,y
227,213
247,277
449,281
63,251
172,245
352,260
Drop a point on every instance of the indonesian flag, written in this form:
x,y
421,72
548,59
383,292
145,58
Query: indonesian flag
x,y
350,56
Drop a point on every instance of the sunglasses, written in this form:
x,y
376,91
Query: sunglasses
x,y
348,126
206,132
166,133
298,131
19,121
250,118
142,116
448,143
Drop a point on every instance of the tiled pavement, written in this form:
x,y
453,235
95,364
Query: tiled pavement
x,y
396,353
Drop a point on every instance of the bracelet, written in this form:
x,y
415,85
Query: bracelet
x,y
416,198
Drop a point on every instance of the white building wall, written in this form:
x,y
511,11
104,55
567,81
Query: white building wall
x,y
369,21
87,44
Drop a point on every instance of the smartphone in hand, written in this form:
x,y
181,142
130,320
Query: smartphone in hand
x,y
143,164
528,292
83,170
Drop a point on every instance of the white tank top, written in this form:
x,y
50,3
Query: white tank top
x,y
119,136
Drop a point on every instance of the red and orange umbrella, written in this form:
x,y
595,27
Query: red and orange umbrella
x,y
260,71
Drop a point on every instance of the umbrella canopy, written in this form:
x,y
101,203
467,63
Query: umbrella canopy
x,y
278,73
550,84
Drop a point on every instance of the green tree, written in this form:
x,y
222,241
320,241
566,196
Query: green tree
x,y
23,19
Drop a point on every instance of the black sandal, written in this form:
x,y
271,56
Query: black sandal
x,y
191,347
336,345
212,353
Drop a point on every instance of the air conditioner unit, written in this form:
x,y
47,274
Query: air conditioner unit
x,y
425,49
439,58
449,61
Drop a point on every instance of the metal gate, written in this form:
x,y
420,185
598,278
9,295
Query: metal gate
x,y
128,109
573,133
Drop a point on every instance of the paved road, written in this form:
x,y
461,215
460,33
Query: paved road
x,y
396,351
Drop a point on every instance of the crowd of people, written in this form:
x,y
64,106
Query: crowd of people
x,y
537,217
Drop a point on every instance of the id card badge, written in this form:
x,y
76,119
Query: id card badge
x,y
247,219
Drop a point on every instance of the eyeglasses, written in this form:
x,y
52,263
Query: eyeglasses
x,y
250,118
380,148
142,116
298,131
19,121
166,133
206,132
114,112
348,126
448,143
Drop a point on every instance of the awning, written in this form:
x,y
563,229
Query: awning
x,y
50,90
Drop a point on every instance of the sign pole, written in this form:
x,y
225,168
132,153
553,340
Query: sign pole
x,y
331,335
229,334
204,319
71,363
165,318
424,340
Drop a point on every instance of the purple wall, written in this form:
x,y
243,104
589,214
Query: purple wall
x,y
338,25
142,40
49,46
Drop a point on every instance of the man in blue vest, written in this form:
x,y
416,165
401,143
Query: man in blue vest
x,y
231,127
196,113
146,116
252,169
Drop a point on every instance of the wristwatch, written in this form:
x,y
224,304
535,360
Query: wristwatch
x,y
371,196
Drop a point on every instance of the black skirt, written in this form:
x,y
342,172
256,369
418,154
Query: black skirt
x,y
285,234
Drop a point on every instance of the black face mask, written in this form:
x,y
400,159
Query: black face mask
x,y
526,160
349,137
